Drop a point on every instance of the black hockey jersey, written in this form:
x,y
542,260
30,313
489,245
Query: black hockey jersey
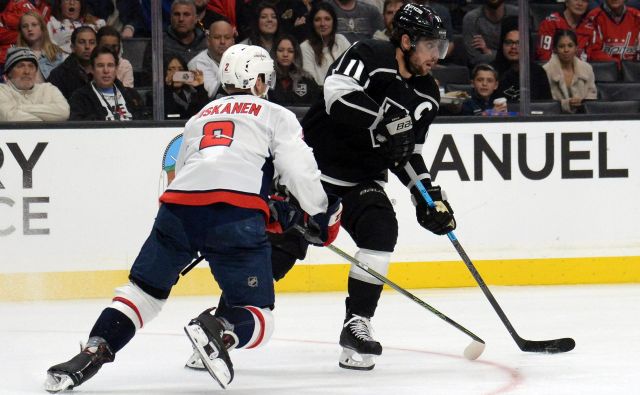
x,y
361,86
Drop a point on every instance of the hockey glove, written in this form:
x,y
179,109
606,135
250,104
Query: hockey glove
x,y
322,229
284,214
395,135
438,219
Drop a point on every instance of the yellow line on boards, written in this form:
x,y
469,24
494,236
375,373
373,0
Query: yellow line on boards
x,y
322,278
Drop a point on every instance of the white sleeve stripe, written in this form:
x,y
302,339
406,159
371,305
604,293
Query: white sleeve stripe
x,y
359,108
383,70
359,70
427,97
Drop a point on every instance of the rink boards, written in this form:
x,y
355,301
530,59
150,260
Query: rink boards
x,y
536,203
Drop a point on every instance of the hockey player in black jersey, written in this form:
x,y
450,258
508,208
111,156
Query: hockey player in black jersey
x,y
378,102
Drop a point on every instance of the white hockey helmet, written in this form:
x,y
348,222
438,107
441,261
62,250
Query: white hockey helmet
x,y
241,65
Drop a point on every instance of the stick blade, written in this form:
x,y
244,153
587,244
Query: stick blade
x,y
549,346
474,350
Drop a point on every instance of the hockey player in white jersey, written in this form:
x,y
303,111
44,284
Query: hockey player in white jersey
x,y
379,99
217,206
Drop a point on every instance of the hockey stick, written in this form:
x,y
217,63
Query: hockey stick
x,y
546,346
472,351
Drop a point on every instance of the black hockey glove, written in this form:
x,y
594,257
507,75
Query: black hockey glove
x,y
438,219
322,229
395,135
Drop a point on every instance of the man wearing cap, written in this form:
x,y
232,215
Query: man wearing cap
x,y
21,99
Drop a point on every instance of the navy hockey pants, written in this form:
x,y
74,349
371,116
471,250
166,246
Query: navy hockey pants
x,y
230,238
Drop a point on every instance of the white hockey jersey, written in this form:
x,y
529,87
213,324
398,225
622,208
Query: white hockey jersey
x,y
230,150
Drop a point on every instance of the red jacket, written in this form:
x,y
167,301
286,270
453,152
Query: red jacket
x,y
615,40
226,8
9,24
556,21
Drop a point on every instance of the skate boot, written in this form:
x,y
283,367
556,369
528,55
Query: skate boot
x,y
82,367
205,333
358,347
230,341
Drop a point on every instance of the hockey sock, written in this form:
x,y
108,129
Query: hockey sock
x,y
252,325
363,297
114,327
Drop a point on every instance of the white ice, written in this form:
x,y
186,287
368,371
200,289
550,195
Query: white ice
x,y
422,354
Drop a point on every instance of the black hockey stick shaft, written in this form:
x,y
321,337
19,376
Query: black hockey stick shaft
x,y
404,292
548,346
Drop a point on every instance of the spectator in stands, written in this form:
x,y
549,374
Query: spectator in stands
x,y
484,79
75,71
507,64
34,35
481,30
265,28
572,80
324,45
572,18
125,16
617,32
183,98
208,61
67,16
357,20
445,15
182,38
294,17
109,37
389,10
43,7
105,98
21,98
204,16
10,24
294,86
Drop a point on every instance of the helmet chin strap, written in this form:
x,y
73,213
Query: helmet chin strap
x,y
407,56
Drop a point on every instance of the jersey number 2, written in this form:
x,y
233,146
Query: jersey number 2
x,y
217,133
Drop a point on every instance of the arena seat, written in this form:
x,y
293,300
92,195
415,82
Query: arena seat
x,y
452,73
612,107
630,71
612,91
605,71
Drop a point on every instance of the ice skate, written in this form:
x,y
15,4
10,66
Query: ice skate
x,y
358,347
82,367
230,341
205,333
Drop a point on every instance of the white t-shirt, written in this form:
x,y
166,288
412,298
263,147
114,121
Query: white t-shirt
x,y
319,71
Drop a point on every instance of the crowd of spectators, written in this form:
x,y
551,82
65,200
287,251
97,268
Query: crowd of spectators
x,y
74,51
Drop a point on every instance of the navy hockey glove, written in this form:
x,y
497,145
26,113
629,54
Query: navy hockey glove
x,y
284,214
322,229
395,135
439,219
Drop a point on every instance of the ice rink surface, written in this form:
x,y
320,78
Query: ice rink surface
x,y
422,354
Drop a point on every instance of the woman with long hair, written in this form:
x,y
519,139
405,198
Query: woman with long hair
x,y
324,45
182,97
67,16
572,80
33,33
294,86
507,64
265,28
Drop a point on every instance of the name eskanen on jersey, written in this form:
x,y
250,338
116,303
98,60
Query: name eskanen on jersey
x,y
232,108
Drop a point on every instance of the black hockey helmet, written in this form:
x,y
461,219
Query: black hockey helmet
x,y
418,21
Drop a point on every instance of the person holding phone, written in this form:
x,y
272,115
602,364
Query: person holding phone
x,y
184,92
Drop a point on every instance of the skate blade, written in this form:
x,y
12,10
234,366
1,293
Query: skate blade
x,y
217,368
194,362
57,382
349,359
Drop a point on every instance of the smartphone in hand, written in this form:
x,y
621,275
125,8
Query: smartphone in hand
x,y
183,76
